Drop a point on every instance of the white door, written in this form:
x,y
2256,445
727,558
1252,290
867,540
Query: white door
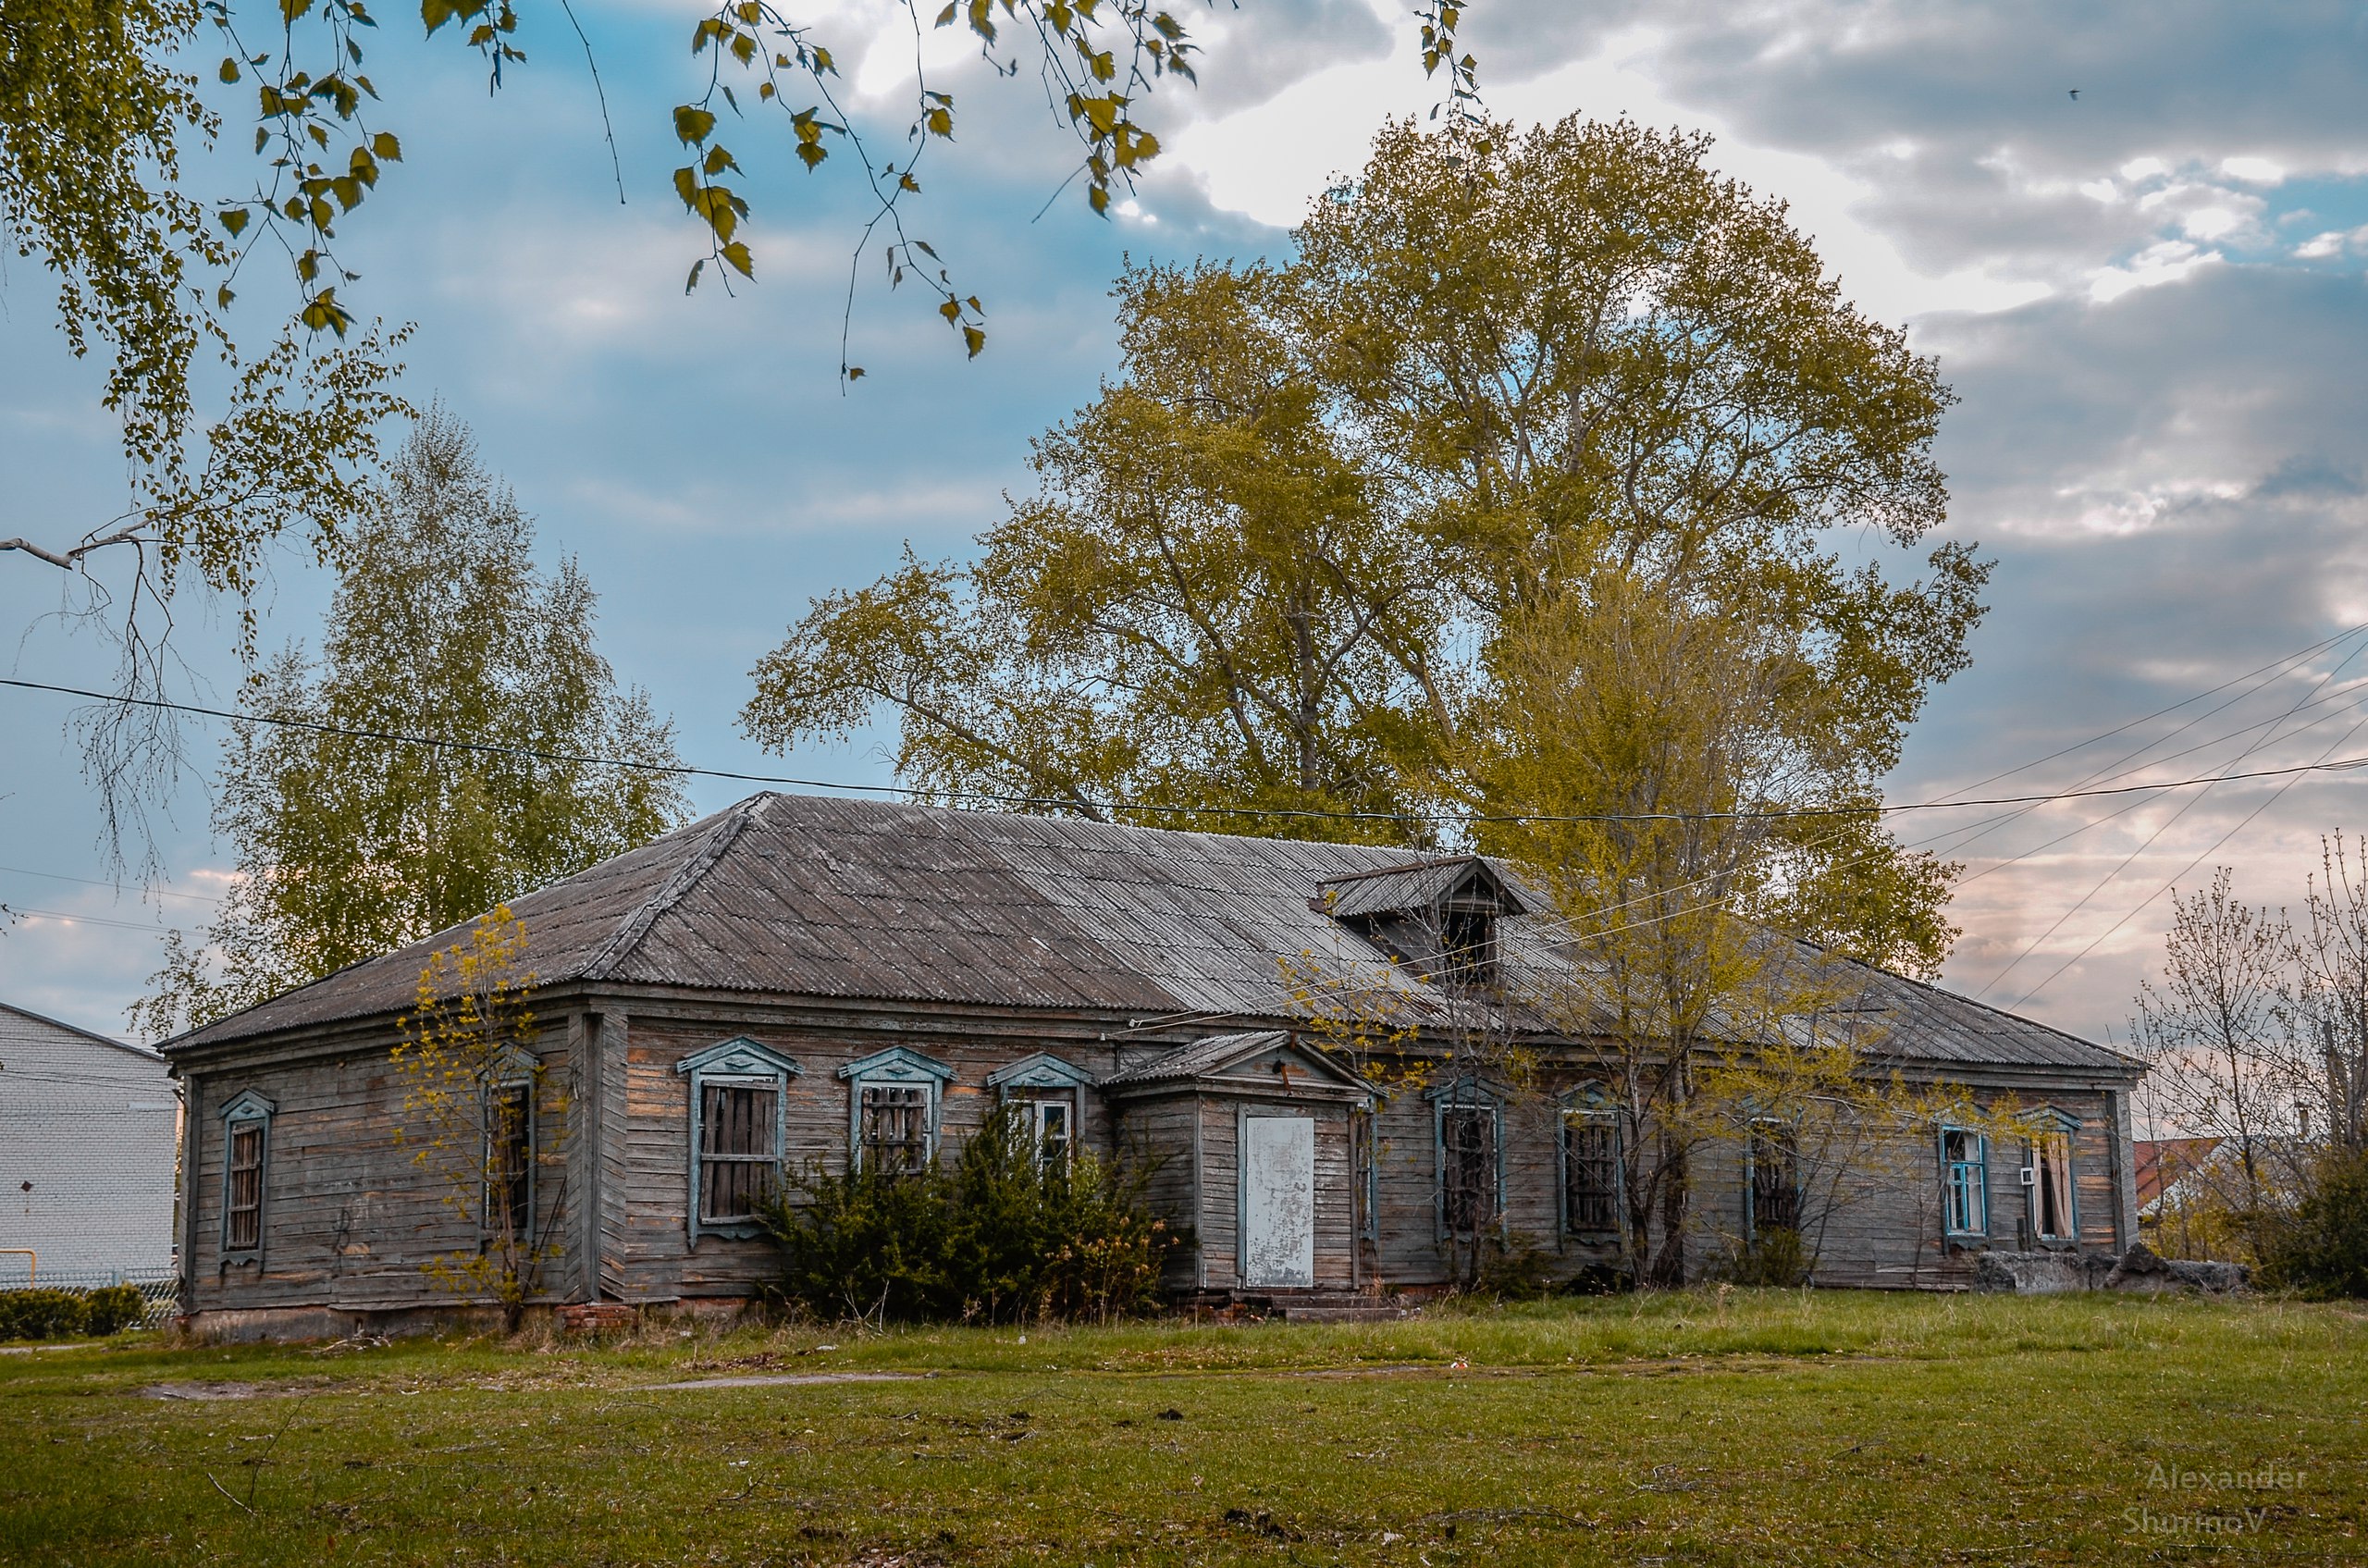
x,y
1277,1201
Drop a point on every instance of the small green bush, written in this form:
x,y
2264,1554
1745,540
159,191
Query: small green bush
x,y
997,1236
1775,1256
2322,1250
111,1309
1514,1268
42,1313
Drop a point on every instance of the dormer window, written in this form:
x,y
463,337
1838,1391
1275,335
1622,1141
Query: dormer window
x,y
1467,946
1441,918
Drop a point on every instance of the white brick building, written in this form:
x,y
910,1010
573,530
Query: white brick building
x,y
89,1132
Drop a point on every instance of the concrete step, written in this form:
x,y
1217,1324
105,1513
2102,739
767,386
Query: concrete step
x,y
1363,1312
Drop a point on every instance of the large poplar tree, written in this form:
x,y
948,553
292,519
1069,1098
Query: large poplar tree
x,y
1286,558
349,845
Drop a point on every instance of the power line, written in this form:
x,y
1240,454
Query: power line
x,y
86,919
2164,826
1074,803
101,882
2172,881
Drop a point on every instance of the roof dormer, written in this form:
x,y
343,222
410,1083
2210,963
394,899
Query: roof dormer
x,y
1438,916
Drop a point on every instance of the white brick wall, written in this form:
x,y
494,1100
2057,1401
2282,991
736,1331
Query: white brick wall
x,y
89,1132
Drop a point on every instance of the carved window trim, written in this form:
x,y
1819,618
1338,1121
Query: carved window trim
x,y
899,1067
246,1114
737,1063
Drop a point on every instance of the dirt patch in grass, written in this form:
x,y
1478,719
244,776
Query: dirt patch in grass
x,y
229,1390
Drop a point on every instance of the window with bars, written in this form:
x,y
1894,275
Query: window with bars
x,y
895,1118
739,1149
736,1097
510,1159
1965,1181
1774,1168
1590,1173
242,1186
1468,1168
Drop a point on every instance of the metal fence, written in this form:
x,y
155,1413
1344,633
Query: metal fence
x,y
161,1287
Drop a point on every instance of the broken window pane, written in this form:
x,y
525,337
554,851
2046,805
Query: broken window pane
x,y
510,1170
1775,1179
242,1210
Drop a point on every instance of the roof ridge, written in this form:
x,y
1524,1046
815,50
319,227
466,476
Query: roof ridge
x,y
1396,871
734,819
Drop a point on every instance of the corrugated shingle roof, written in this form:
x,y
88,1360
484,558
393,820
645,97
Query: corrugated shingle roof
x,y
812,895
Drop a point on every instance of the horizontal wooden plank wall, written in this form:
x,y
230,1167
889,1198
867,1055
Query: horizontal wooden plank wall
x,y
351,1219
661,1261
1155,1137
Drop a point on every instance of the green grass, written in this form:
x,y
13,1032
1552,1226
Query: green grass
x,y
1756,1427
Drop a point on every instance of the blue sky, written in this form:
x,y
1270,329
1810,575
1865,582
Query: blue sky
x,y
2152,301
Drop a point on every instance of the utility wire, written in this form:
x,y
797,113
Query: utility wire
x,y
2173,880
101,882
1068,803
86,919
2165,825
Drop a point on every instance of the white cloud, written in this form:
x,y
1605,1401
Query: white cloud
x,y
2253,171
2169,261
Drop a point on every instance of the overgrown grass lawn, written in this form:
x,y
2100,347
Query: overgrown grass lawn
x,y
1754,1427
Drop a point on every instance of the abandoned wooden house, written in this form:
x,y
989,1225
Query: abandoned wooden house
x,y
802,979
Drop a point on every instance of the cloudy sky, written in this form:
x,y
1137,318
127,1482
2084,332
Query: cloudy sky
x,y
2149,297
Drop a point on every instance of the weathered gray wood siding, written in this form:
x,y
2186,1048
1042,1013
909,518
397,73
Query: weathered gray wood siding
x,y
1158,1136
657,1259
1216,1217
350,1219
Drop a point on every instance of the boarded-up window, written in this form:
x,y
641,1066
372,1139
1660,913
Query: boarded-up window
x,y
2051,1214
1775,1179
1591,1174
510,1164
1468,1168
896,1127
1965,1177
739,1148
242,1200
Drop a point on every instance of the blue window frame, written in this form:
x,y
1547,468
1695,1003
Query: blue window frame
x,y
1964,1183
246,1175
1050,1095
894,1108
1365,1167
739,1091
1771,1186
506,1116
